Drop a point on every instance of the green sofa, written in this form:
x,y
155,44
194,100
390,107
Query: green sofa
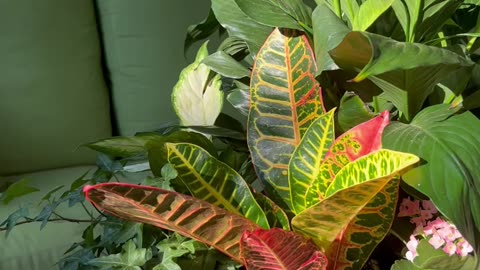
x,y
73,72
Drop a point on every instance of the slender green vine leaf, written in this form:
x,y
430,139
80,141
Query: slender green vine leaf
x,y
358,209
353,144
293,14
304,166
201,30
352,111
329,31
406,81
369,12
225,65
276,217
238,24
17,190
197,100
285,99
188,216
277,249
14,218
449,145
215,182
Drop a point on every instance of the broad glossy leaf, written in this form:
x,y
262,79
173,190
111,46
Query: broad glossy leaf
x,y
188,216
285,99
276,217
233,45
123,146
213,181
450,146
304,166
329,31
197,100
358,209
238,24
350,8
200,31
352,111
406,81
240,99
293,14
408,13
277,249
353,144
225,65
431,258
369,12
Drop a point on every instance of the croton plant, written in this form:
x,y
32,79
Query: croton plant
x,y
359,147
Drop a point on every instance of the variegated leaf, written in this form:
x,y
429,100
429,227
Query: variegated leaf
x,y
213,181
188,216
358,209
285,99
304,165
353,144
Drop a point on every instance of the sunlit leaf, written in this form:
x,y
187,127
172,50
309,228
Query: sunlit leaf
x,y
369,12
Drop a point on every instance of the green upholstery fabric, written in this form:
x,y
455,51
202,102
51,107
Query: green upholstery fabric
x,y
26,246
52,93
143,44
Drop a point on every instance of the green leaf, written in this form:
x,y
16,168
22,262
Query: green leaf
x,y
122,146
358,209
233,45
449,145
352,111
273,249
404,265
17,190
197,100
285,100
13,219
369,12
329,31
431,258
188,216
215,182
350,8
275,215
169,172
130,258
51,192
240,99
225,65
406,81
304,166
238,24
408,13
201,30
293,14
472,101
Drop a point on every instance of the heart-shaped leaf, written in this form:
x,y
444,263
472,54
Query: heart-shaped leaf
x,y
188,216
285,100
277,249
215,182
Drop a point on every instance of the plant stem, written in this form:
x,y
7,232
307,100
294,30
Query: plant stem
x,y
49,220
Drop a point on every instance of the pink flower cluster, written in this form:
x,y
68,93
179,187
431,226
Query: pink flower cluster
x,y
440,233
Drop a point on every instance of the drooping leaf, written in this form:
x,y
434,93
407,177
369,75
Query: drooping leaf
x,y
369,12
188,216
225,65
238,24
285,99
329,31
213,181
293,14
201,30
449,145
17,190
197,100
406,81
277,249
352,111
123,146
353,144
304,166
358,209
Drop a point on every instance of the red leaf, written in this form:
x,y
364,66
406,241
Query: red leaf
x,y
276,249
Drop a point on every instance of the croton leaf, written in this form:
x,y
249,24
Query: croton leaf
x,y
213,181
285,99
353,144
450,177
304,165
197,100
358,209
277,218
277,249
406,81
173,211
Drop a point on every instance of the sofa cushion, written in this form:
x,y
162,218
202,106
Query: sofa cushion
x,y
53,96
144,52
